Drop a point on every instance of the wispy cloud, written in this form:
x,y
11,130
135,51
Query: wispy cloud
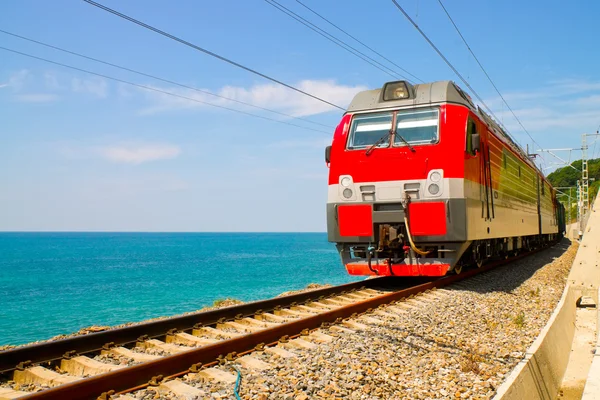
x,y
559,107
139,153
36,98
270,96
30,87
97,87
320,143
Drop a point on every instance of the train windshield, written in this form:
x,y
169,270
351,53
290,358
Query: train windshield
x,y
417,127
367,129
414,126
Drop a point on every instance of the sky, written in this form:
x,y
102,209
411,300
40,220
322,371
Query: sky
x,y
82,152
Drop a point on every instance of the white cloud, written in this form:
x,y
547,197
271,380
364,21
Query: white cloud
x,y
18,79
139,153
272,96
558,107
3,85
36,98
95,86
295,144
51,81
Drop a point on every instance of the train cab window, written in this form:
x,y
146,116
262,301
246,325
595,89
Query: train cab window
x,y
367,129
471,130
416,127
504,160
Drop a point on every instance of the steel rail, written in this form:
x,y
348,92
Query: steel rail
x,y
138,376
54,350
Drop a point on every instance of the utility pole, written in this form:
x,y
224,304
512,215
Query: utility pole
x,y
583,190
560,189
585,196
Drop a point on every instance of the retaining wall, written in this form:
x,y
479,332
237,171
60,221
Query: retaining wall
x,y
539,375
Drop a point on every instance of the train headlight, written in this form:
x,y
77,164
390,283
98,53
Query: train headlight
x,y
346,181
347,193
435,176
433,188
396,91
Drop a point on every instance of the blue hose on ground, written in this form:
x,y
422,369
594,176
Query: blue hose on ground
x,y
237,384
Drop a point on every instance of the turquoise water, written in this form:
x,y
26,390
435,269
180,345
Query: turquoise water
x,y
55,283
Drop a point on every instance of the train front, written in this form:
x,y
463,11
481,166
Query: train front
x,y
395,196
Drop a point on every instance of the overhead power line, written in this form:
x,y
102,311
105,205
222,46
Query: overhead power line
x,y
357,40
448,63
145,87
161,79
210,53
335,40
486,74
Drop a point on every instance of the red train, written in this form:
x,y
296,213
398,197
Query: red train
x,y
422,182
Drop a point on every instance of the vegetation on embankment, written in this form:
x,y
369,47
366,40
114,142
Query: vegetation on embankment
x,y
567,176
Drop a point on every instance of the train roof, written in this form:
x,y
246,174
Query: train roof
x,y
429,94
424,93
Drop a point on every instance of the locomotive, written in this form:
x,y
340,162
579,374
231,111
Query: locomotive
x,y
422,182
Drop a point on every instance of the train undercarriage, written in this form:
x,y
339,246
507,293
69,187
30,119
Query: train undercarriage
x,y
394,252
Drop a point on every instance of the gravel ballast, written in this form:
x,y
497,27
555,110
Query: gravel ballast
x,y
459,342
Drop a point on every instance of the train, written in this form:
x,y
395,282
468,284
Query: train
x,y
422,182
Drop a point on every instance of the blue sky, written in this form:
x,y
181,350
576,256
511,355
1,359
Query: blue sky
x,y
81,152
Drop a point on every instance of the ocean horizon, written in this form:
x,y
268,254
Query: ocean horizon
x,y
57,282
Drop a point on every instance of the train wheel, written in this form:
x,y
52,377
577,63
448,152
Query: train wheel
x,y
479,262
458,269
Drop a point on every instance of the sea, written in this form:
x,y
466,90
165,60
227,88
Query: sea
x,y
58,283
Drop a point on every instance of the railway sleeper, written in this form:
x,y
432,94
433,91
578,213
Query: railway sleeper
x,y
369,320
322,305
216,374
10,394
236,326
272,317
256,322
299,344
186,339
160,345
216,333
281,352
354,325
180,389
125,352
320,337
337,301
292,313
341,329
307,309
41,376
85,366
250,362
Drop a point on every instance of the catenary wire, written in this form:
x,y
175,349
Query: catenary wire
x,y
357,40
335,40
210,53
448,63
486,74
158,90
162,79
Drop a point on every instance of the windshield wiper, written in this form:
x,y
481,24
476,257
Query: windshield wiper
x,y
378,142
405,141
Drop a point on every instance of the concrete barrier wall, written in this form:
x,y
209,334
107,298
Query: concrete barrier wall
x,y
539,375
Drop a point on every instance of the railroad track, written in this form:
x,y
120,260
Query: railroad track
x,y
163,350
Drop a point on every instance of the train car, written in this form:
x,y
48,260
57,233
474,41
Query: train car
x,y
422,182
